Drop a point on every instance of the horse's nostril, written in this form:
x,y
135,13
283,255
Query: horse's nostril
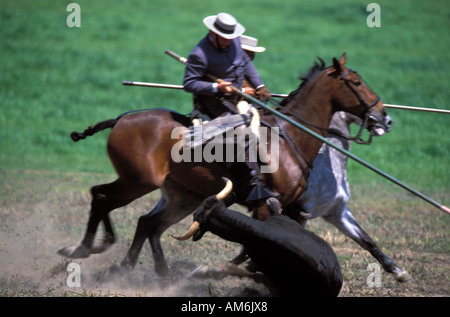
x,y
388,121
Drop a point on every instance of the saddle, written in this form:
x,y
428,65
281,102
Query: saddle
x,y
202,132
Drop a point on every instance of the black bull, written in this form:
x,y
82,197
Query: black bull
x,y
296,261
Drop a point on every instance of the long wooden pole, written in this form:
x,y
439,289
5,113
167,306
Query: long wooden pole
x,y
156,85
349,154
417,108
393,106
180,87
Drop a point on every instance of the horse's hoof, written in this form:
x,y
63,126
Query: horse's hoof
x,y
199,272
204,272
403,277
118,270
162,270
219,273
100,246
66,251
70,251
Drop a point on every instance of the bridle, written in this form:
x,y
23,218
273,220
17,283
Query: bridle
x,y
368,116
360,99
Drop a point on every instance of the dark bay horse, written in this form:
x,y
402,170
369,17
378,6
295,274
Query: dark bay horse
x,y
140,145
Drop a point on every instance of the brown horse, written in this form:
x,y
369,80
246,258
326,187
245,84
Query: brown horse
x,y
140,146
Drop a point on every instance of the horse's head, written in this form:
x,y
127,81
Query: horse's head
x,y
342,120
354,96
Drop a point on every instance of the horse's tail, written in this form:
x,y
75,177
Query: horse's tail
x,y
77,136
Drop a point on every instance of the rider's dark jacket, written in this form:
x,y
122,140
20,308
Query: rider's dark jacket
x,y
231,64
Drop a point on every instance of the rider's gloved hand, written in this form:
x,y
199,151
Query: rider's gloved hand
x,y
263,93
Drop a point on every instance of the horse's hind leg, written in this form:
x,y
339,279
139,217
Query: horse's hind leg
x,y
347,224
105,198
152,226
156,224
140,235
176,203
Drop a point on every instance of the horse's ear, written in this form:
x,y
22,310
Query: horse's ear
x,y
339,64
336,65
343,59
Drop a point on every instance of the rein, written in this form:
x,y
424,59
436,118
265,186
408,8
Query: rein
x,y
367,116
357,139
298,153
360,99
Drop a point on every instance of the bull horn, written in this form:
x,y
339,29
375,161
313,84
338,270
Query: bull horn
x,y
226,190
194,227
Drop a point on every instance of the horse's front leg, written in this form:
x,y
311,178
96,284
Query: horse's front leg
x,y
140,236
347,224
87,246
177,203
103,244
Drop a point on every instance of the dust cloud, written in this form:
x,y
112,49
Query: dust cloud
x,y
29,264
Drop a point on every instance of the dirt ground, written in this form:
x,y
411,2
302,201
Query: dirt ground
x,y
40,212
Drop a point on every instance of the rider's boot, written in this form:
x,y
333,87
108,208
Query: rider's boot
x,y
259,191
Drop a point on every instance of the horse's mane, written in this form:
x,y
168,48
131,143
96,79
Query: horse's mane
x,y
312,73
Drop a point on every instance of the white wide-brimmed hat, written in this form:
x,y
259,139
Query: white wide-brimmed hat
x,y
249,43
225,25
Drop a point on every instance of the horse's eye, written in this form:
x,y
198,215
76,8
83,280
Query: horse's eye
x,y
357,83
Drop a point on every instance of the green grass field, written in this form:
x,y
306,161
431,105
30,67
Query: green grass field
x,y
55,79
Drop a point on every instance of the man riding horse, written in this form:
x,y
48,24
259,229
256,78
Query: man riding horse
x,y
220,54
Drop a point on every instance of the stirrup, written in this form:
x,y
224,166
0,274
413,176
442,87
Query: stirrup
x,y
274,206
